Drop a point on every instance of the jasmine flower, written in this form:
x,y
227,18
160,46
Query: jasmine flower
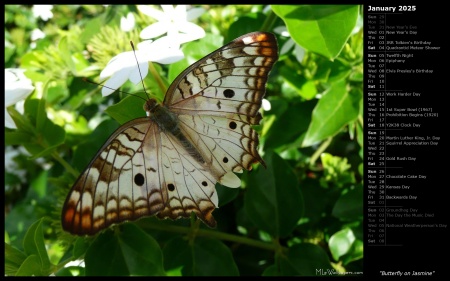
x,y
124,67
175,21
17,88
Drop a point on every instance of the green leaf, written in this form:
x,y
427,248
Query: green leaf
x,y
47,135
318,200
129,108
249,22
204,257
305,260
16,137
273,201
30,267
341,242
212,258
272,270
79,248
22,122
350,205
323,29
304,88
289,125
226,194
335,109
13,260
128,252
33,244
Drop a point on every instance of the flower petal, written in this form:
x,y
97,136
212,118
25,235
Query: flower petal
x,y
13,96
160,51
154,30
118,63
191,32
127,23
287,46
299,52
282,30
136,75
17,86
151,12
9,122
194,13
171,12
117,80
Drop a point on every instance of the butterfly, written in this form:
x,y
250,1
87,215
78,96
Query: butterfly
x,y
167,164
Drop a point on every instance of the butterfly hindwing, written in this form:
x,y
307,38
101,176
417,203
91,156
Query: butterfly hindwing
x,y
140,171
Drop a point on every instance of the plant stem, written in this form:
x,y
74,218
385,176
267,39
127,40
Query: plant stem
x,y
64,163
319,151
157,77
213,234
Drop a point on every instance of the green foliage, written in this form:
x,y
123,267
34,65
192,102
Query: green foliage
x,y
302,215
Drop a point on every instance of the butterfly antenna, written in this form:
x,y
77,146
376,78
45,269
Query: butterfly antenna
x,y
139,69
99,84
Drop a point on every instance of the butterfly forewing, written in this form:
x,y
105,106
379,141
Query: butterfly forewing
x,y
218,98
148,167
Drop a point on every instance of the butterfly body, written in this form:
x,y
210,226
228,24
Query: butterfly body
x,y
167,164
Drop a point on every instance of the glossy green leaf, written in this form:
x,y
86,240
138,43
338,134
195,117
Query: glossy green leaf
x,y
323,29
341,242
203,257
335,109
273,201
130,251
305,260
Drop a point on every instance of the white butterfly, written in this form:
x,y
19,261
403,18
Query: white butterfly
x,y
169,162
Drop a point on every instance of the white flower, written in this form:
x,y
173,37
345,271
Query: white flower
x,y
36,34
299,52
127,23
124,66
17,88
266,105
43,11
173,21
